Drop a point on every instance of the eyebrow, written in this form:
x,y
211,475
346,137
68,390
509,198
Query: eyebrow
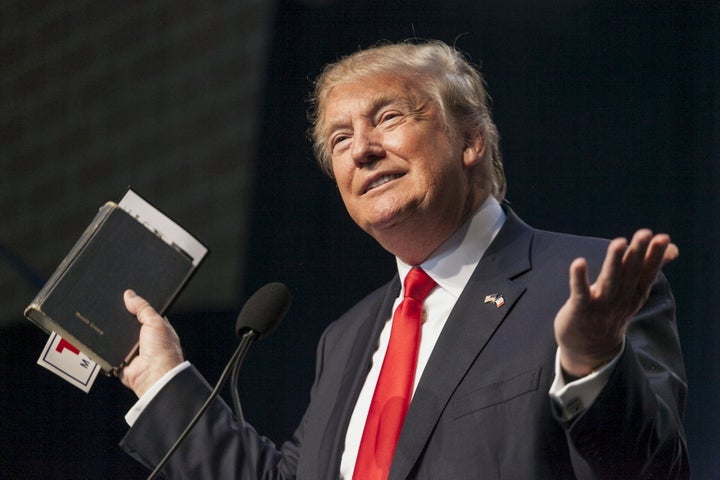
x,y
371,105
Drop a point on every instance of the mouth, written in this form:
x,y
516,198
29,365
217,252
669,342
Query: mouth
x,y
382,181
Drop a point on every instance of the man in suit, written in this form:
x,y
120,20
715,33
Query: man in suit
x,y
525,368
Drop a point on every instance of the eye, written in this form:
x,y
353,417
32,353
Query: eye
x,y
387,116
338,140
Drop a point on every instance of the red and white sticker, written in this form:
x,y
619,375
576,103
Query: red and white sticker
x,y
68,362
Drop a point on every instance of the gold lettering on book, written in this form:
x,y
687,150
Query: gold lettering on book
x,y
90,324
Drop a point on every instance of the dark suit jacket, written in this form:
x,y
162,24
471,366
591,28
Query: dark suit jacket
x,y
481,409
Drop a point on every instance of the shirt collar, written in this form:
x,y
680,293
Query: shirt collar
x,y
452,264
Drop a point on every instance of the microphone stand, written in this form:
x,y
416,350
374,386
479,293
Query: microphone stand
x,y
234,391
235,361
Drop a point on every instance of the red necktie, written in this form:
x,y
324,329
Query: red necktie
x,y
394,387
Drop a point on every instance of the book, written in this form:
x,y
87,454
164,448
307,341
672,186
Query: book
x,y
128,245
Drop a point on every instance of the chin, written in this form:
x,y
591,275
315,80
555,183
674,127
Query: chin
x,y
383,217
384,225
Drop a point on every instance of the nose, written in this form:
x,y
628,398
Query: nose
x,y
366,147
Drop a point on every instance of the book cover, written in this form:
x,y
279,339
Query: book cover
x,y
127,245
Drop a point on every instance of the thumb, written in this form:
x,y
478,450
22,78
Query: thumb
x,y
139,307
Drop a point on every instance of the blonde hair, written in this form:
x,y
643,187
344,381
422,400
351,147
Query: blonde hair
x,y
446,77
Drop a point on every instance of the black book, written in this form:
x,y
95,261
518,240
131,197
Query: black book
x,y
128,245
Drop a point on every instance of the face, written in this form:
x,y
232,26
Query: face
x,y
401,174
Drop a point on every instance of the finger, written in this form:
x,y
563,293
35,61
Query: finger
x,y
579,283
656,250
672,253
608,281
659,252
662,249
634,262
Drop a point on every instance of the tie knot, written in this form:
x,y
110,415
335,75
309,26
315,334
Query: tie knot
x,y
418,284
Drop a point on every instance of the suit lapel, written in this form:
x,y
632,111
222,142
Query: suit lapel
x,y
366,338
468,329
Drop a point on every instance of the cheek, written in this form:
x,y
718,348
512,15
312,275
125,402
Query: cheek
x,y
340,172
343,179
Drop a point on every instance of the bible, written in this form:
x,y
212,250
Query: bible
x,y
128,245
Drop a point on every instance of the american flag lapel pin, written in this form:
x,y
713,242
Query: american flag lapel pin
x,y
495,298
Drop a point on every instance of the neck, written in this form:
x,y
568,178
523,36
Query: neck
x,y
414,241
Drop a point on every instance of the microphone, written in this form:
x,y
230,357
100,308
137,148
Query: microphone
x,y
259,317
262,313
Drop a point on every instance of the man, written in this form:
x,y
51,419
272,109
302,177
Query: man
x,y
516,376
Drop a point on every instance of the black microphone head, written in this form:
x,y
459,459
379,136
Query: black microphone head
x,y
264,310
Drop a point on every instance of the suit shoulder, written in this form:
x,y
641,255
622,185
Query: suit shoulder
x,y
545,244
563,245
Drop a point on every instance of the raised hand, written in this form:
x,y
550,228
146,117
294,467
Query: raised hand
x,y
590,326
159,350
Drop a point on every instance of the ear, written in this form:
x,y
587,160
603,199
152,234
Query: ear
x,y
474,150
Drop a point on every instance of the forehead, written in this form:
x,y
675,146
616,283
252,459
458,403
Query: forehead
x,y
365,96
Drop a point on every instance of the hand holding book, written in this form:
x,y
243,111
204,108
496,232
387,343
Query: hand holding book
x,y
159,351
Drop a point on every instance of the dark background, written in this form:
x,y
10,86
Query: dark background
x,y
608,113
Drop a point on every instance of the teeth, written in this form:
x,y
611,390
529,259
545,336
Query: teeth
x,y
382,180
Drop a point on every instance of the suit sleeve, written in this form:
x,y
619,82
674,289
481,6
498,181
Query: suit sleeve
x,y
217,447
634,429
